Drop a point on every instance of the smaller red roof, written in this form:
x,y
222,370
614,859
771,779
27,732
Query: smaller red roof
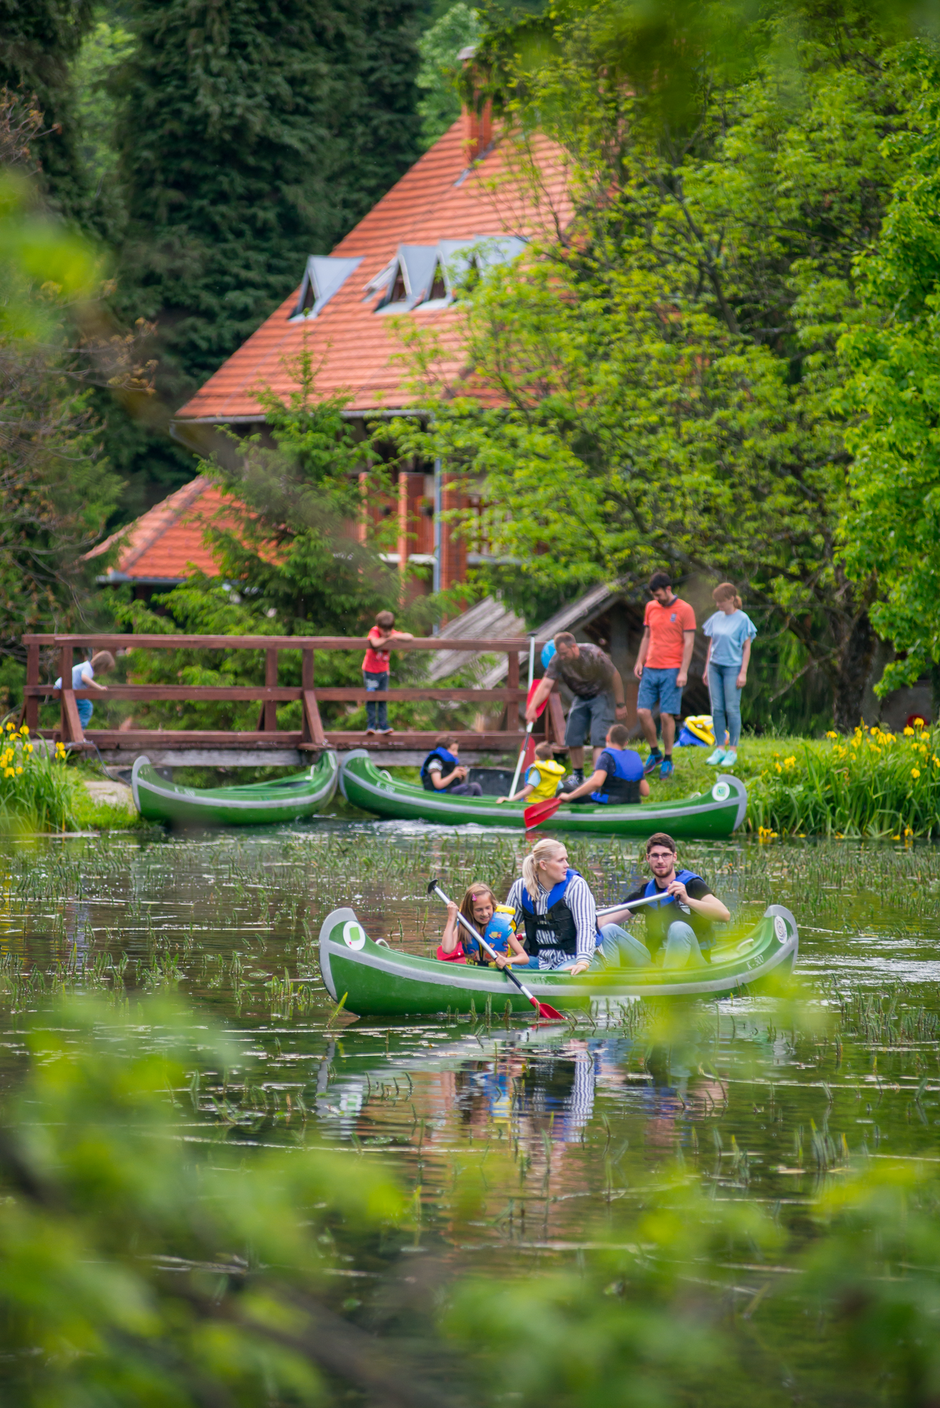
x,y
166,543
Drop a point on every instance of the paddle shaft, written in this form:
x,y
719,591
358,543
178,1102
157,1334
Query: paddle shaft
x,y
515,776
634,904
436,890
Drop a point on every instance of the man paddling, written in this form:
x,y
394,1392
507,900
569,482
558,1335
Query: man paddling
x,y
682,927
595,682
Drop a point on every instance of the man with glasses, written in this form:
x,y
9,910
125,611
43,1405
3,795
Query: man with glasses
x,y
680,929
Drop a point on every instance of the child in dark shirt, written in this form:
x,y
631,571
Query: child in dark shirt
x,y
618,774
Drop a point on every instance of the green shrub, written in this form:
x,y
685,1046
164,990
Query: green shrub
x,y
873,783
37,792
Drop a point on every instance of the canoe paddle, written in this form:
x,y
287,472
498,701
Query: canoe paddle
x,y
540,811
545,1011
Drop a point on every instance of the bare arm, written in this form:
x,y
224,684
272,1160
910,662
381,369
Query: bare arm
x,y
541,694
688,645
594,782
741,680
439,780
451,933
619,705
519,796
709,905
641,653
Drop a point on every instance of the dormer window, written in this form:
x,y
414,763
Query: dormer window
x,y
324,276
430,276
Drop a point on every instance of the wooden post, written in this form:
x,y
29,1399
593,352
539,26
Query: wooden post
x,y
403,524
312,724
31,705
512,680
71,730
269,713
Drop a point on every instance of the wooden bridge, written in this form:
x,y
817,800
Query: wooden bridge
x,y
267,744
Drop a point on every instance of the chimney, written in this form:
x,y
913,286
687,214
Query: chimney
x,y
477,126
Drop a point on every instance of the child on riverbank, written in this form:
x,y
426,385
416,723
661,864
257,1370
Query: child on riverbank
x,y
479,907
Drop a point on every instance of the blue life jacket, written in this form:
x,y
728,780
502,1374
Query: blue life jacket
x,y
704,931
623,785
557,917
445,758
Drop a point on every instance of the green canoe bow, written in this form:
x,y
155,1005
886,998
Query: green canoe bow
x,y
714,814
258,804
377,980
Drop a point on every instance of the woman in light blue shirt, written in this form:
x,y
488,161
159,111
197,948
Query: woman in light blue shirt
x,y
730,631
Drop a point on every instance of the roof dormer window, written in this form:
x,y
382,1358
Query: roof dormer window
x,y
324,276
425,277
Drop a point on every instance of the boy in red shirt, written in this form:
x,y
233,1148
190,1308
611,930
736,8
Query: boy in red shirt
x,y
375,668
662,667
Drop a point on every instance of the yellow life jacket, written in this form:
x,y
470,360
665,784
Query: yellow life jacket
x,y
550,774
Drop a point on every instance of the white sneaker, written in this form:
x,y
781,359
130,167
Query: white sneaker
x,y
719,756
730,758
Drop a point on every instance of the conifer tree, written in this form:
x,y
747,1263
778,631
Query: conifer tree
x,y
38,42
255,132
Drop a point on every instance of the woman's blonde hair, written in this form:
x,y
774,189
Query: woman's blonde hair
x,y
541,851
476,891
724,590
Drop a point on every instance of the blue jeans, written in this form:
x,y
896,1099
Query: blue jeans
x,y
376,712
726,703
85,711
618,949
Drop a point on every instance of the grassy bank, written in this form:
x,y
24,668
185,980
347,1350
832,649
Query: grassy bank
x,y
41,791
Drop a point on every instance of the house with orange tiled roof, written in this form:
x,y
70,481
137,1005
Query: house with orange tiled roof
x,y
159,550
462,207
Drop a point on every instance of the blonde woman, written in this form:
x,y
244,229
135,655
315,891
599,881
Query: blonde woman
x,y
556,909
730,632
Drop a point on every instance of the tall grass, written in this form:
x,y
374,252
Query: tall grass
x,y
873,783
37,793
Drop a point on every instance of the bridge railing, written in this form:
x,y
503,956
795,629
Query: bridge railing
x,y
311,736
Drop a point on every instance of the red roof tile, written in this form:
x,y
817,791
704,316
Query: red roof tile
x,y
356,349
166,543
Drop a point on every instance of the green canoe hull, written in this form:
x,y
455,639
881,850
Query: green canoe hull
x,y
258,804
715,814
379,981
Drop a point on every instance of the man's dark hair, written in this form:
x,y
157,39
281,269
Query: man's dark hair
x,y
659,838
660,580
619,735
564,638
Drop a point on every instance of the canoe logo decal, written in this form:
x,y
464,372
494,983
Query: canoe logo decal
x,y
780,927
354,935
721,791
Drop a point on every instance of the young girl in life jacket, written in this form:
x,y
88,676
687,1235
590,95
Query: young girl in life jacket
x,y
478,907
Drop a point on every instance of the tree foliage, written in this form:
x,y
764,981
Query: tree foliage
x,y
893,524
655,387
439,46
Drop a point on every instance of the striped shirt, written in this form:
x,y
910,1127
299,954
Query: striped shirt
x,y
580,901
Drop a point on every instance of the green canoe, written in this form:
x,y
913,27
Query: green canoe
x,y
377,980
710,816
257,804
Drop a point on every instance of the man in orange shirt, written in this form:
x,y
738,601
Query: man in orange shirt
x,y
662,667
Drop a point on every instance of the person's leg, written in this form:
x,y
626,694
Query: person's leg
x,y
621,950
576,731
716,692
681,949
369,681
465,789
732,701
646,700
85,711
670,707
382,707
603,718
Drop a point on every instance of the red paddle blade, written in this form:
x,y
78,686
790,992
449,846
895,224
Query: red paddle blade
x,y
541,709
541,811
547,1013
